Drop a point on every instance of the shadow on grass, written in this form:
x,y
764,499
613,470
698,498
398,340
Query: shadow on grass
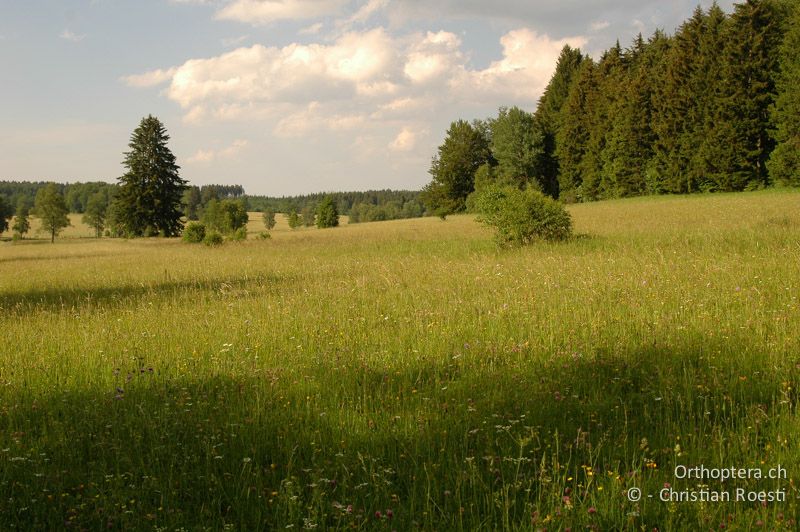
x,y
73,298
444,447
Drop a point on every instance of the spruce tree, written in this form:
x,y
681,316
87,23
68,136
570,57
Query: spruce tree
x,y
149,198
609,78
548,115
751,57
572,136
784,163
628,147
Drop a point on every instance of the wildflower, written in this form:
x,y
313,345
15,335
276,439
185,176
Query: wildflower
x,y
389,513
592,510
378,514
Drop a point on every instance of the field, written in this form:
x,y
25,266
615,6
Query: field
x,y
409,375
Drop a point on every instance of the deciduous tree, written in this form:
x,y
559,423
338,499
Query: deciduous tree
x,y
52,210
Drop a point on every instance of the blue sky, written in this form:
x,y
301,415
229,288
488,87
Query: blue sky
x,y
281,96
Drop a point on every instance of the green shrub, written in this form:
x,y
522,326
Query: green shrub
x,y
264,235
213,238
239,235
521,216
327,214
194,232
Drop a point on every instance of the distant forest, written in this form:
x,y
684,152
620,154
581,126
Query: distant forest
x,y
715,107
374,205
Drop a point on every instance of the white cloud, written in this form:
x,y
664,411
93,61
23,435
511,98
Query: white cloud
x,y
404,141
522,74
599,25
435,55
383,89
364,13
230,42
209,155
258,12
149,79
317,117
67,35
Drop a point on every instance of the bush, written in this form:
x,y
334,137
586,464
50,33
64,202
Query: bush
x,y
239,235
225,216
521,216
327,214
213,238
264,235
194,232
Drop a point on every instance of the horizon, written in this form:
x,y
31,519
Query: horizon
x,y
284,98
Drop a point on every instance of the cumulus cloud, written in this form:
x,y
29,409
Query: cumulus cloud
x,y
377,92
259,12
404,141
210,155
149,79
370,67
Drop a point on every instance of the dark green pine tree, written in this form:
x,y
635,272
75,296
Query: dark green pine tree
x,y
678,115
751,70
710,159
629,143
149,198
610,78
572,136
784,163
465,149
548,115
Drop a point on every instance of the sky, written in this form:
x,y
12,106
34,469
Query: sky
x,y
282,96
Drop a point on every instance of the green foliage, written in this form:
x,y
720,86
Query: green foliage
x,y
225,216
239,235
264,235
269,219
572,138
150,194
21,222
517,145
191,203
6,212
95,214
784,163
548,116
453,169
194,232
521,216
392,210
293,219
213,238
327,215
52,210
308,215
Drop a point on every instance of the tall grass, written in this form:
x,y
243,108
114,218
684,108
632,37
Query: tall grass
x,y
406,375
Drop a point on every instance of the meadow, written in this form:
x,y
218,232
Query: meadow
x,y
407,375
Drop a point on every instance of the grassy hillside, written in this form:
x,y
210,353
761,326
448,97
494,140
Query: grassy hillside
x,y
403,375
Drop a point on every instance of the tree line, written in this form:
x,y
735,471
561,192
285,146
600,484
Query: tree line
x,y
713,108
